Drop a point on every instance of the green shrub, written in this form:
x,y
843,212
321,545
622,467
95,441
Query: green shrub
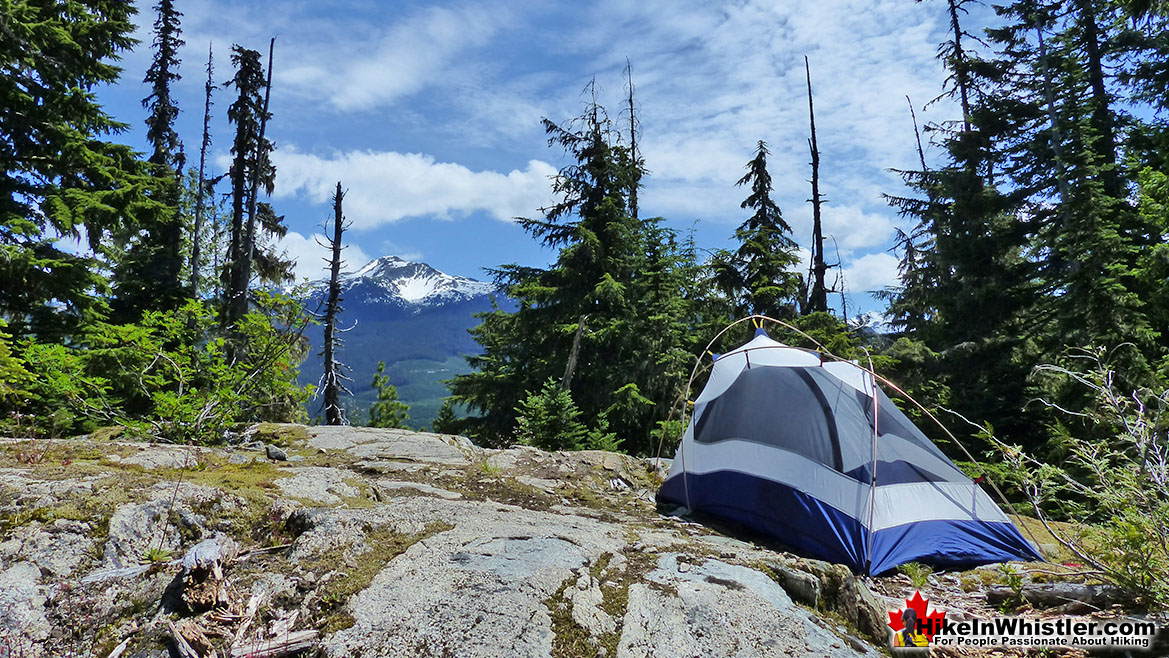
x,y
1120,482
172,375
917,572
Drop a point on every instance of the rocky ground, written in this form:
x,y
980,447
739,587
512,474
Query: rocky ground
x,y
347,541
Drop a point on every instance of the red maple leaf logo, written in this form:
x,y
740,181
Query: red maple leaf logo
x,y
928,624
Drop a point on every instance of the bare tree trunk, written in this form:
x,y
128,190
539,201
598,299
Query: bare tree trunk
x,y
1101,120
217,247
573,355
818,298
960,72
916,134
1056,137
632,142
196,233
334,415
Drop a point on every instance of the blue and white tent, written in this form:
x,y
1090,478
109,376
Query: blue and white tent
x,y
789,444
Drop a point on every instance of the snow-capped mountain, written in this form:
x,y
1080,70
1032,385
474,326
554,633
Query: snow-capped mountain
x,y
392,281
410,315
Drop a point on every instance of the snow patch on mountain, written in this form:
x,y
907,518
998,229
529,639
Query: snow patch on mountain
x,y
392,279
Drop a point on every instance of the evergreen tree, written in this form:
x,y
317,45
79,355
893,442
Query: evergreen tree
x,y
149,274
968,290
251,169
388,411
445,421
163,72
548,419
245,114
1030,238
760,275
605,320
1073,165
58,177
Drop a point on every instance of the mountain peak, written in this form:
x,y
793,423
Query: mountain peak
x,y
376,264
397,281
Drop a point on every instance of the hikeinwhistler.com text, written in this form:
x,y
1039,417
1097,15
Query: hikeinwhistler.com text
x,y
1057,632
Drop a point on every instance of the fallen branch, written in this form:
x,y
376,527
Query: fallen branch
x,y
1051,595
120,649
181,644
260,551
277,648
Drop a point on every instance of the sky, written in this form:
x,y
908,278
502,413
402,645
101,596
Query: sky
x,y
429,113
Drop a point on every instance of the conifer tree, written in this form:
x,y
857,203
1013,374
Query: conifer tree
x,y
445,421
251,169
162,74
604,320
548,419
58,174
1073,167
149,274
760,276
388,410
968,291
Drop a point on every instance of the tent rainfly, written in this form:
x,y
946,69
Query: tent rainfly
x,y
813,453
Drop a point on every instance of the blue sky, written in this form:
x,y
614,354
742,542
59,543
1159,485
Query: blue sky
x,y
429,113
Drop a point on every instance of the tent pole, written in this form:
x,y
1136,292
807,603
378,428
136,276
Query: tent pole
x,y
873,479
1002,498
875,377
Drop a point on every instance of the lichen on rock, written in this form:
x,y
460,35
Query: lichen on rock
x,y
379,543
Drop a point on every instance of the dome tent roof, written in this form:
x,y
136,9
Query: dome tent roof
x,y
788,444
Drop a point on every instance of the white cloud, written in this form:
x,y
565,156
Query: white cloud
x,y
411,54
713,79
468,82
387,186
311,257
871,272
855,229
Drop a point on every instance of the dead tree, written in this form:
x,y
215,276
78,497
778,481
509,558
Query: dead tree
x,y
636,182
201,191
333,380
818,297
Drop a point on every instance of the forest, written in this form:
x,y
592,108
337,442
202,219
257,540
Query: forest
x,y
1032,317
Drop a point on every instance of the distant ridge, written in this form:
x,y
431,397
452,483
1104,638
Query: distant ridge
x,y
410,315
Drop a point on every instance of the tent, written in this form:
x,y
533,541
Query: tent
x,y
787,443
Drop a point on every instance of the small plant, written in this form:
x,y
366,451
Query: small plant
x,y
1010,576
32,452
489,469
153,555
969,584
917,572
